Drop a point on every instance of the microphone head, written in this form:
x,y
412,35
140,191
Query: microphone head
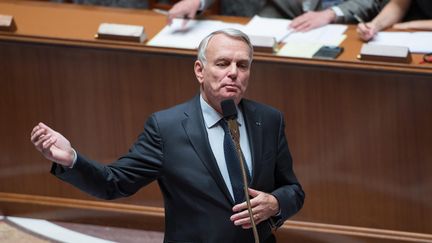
x,y
229,110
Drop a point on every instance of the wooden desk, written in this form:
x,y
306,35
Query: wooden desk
x,y
359,132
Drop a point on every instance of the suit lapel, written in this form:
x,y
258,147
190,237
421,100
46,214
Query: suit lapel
x,y
254,130
195,129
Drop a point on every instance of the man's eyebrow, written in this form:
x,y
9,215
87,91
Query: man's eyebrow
x,y
222,59
229,59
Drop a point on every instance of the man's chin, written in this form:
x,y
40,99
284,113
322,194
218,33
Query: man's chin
x,y
236,97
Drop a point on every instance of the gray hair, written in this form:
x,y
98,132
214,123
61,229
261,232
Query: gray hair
x,y
233,33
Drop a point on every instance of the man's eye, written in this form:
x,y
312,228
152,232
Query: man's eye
x,y
221,64
243,66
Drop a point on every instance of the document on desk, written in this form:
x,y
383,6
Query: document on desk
x,y
417,42
269,27
331,35
175,36
297,44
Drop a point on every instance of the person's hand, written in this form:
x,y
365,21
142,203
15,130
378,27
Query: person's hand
x,y
52,145
185,9
264,206
312,19
366,31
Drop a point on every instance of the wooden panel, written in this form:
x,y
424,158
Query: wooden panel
x,y
360,141
151,218
98,99
359,133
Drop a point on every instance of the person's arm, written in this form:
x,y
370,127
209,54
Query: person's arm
x,y
312,19
392,13
140,166
416,24
187,9
365,9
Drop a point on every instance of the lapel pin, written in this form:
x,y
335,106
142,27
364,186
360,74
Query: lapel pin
x,y
258,123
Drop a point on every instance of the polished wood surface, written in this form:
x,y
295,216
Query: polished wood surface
x,y
359,132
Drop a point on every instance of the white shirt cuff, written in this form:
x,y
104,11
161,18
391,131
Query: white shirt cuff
x,y
337,11
75,157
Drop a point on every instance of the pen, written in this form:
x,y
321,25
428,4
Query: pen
x,y
160,11
290,31
360,20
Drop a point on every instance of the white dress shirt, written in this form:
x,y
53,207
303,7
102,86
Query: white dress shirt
x,y
216,137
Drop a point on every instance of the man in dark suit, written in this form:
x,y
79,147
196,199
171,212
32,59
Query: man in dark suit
x,y
181,148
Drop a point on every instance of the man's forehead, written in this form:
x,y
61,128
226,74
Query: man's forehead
x,y
221,39
221,47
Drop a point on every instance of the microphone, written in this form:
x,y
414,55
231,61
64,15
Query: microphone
x,y
229,109
229,112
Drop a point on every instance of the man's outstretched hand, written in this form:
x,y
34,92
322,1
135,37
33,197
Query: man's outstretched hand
x,y
52,145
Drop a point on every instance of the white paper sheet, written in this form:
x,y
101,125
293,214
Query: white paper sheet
x,y
331,34
176,36
417,42
270,27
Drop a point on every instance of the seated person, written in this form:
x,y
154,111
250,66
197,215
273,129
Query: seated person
x,y
306,14
416,14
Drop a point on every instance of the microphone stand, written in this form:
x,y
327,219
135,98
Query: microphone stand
x,y
235,134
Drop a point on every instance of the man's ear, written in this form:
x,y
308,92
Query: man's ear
x,y
199,71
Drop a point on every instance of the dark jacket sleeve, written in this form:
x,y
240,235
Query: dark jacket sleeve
x,y
140,166
365,9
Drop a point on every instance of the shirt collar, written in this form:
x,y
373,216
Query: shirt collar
x,y
212,117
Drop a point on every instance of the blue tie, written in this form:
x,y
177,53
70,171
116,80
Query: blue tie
x,y
233,164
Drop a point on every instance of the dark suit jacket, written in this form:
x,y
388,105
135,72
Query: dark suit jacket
x,y
174,150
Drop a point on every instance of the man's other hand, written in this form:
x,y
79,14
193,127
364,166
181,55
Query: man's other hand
x,y
264,206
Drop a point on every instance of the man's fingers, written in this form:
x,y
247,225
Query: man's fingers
x,y
243,205
48,143
246,222
47,128
35,129
35,136
38,144
253,192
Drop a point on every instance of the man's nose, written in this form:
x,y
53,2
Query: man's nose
x,y
233,71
